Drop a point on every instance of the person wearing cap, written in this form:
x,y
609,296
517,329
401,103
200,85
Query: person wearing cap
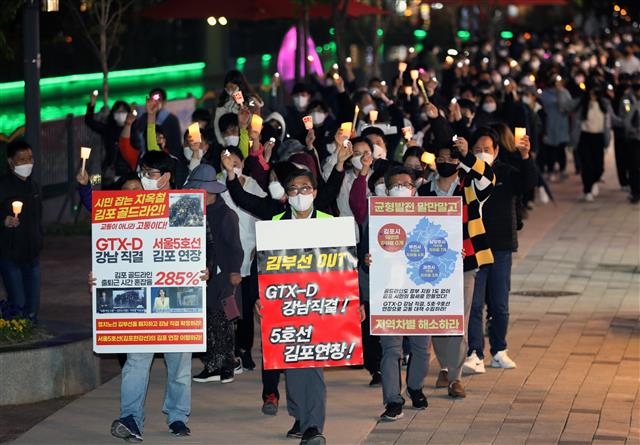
x,y
461,173
156,170
224,261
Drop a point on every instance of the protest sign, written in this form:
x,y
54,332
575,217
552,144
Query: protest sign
x,y
416,274
148,251
308,282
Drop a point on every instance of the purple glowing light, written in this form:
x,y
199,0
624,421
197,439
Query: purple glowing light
x,y
287,57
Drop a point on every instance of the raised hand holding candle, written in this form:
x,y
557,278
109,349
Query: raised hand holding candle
x,y
85,152
194,132
256,123
407,132
356,111
346,130
414,74
402,67
17,208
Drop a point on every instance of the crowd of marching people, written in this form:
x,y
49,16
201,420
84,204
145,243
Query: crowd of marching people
x,y
497,123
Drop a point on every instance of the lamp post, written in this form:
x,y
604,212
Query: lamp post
x,y
31,38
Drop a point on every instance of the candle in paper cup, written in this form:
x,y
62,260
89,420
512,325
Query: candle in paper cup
x,y
519,133
85,152
308,122
238,97
408,90
407,132
346,129
336,76
17,207
373,116
95,92
194,132
428,158
414,74
402,67
356,111
256,122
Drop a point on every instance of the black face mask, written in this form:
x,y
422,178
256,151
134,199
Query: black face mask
x,y
418,173
445,169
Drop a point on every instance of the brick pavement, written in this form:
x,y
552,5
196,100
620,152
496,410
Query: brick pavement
x,y
578,357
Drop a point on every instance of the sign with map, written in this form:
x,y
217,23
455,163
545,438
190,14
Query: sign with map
x,y
416,273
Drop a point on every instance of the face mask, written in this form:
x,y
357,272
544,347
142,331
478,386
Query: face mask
x,y
188,153
120,117
238,171
300,202
356,161
368,108
380,189
379,152
535,64
231,141
504,70
489,107
300,102
557,58
445,169
149,184
23,170
318,117
417,173
230,92
527,100
486,157
402,191
276,190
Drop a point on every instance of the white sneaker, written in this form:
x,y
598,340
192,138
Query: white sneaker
x,y
473,364
595,190
588,197
502,360
543,195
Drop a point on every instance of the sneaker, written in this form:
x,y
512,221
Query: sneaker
x,y
543,195
473,364
207,376
226,375
376,379
294,432
588,197
312,436
595,190
418,399
405,360
238,368
178,428
392,412
502,360
270,405
456,390
126,428
443,379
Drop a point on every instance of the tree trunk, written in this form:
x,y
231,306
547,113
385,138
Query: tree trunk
x,y
305,39
104,62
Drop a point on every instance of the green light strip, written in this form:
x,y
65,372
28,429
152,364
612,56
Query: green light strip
x,y
8,87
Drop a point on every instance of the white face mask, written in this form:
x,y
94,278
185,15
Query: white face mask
x,y
356,161
401,191
300,102
380,189
149,184
300,202
120,117
318,117
231,141
486,157
527,100
188,153
23,170
276,190
367,109
379,152
237,171
534,64
489,107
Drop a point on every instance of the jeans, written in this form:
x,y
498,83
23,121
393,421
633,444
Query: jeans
x,y
22,283
493,283
135,381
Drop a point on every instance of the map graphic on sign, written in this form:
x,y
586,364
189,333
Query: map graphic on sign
x,y
429,259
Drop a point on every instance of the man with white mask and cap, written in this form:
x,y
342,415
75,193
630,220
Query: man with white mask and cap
x,y
21,230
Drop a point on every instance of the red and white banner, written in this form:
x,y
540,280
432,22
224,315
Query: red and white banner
x,y
309,293
148,251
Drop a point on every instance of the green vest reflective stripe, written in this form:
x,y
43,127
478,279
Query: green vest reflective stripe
x,y
319,215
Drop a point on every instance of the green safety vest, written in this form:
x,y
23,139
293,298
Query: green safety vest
x,y
319,215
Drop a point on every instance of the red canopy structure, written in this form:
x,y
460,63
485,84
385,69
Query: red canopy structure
x,y
502,3
250,10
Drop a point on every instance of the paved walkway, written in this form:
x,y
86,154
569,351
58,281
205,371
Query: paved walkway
x,y
578,357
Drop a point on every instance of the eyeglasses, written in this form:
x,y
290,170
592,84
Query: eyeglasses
x,y
408,185
149,173
302,190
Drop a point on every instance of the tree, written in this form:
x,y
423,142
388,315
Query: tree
x,y
101,22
